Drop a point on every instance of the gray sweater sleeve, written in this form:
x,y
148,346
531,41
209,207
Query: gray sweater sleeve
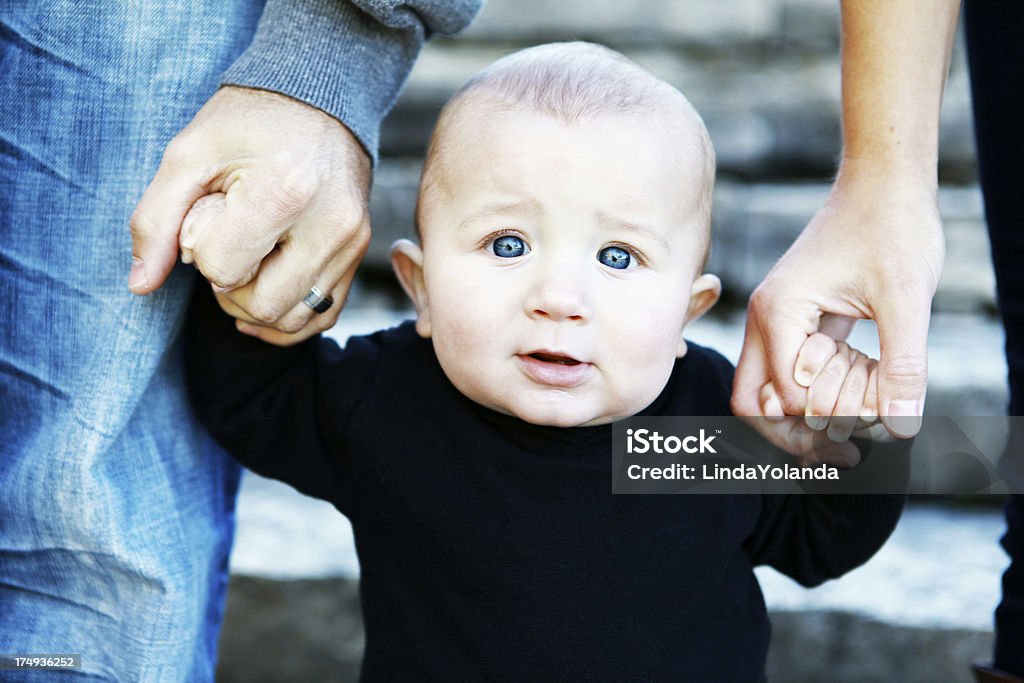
x,y
347,58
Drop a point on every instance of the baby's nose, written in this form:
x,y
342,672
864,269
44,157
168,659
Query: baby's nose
x,y
558,298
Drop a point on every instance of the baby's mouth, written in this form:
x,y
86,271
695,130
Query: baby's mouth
x,y
554,358
555,369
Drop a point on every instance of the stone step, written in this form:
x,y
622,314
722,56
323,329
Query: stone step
x,y
916,612
753,224
319,622
764,75
701,22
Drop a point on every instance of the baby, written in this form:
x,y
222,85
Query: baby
x,y
563,224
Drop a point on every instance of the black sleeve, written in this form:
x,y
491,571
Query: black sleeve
x,y
282,412
809,537
815,537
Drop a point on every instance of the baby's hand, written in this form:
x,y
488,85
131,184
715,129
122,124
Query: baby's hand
x,y
842,386
841,398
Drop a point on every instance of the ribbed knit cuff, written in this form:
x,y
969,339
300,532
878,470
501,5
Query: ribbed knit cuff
x,y
333,56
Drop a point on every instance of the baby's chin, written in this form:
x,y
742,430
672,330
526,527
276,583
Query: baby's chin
x,y
565,416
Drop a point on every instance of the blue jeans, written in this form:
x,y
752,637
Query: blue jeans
x,y
116,510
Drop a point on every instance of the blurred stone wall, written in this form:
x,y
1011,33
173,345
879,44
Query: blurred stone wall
x,y
311,630
765,76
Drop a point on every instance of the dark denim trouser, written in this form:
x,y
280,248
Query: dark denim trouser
x,y
995,42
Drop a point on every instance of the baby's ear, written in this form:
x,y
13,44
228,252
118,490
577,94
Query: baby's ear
x,y
703,295
407,261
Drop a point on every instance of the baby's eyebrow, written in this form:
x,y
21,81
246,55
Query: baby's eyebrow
x,y
527,207
609,222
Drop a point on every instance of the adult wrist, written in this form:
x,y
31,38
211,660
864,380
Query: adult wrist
x,y
332,56
896,171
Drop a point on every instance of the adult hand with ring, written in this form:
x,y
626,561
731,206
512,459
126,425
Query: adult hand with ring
x,y
269,198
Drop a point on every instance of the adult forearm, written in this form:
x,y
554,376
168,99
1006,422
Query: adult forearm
x,y
895,57
875,249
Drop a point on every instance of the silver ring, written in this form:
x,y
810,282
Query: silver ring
x,y
317,300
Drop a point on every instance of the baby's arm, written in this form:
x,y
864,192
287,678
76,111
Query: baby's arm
x,y
274,409
813,538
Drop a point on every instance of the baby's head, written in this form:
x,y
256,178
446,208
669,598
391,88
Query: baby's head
x,y
564,220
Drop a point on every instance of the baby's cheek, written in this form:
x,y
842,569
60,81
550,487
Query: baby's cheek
x,y
462,334
647,353
650,333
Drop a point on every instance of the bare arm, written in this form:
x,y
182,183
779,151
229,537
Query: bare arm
x,y
875,249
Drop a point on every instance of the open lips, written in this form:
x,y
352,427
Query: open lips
x,y
555,369
554,358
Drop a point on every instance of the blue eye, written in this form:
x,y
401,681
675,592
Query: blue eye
x,y
614,257
508,246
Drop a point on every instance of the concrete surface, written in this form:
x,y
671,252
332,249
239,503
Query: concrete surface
x,y
919,611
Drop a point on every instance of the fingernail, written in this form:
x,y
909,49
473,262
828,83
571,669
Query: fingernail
x,y
816,422
804,378
137,276
187,240
904,417
245,328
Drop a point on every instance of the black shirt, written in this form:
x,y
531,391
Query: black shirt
x,y
494,549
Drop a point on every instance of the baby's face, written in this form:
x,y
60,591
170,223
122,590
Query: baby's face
x,y
559,263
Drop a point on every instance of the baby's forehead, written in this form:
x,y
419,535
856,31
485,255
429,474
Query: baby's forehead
x,y
485,124
652,148
483,108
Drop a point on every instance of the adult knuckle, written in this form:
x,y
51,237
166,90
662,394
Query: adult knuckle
x,y
288,195
905,368
179,153
348,229
760,299
215,273
356,215
323,323
267,310
361,239
141,223
742,405
290,324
